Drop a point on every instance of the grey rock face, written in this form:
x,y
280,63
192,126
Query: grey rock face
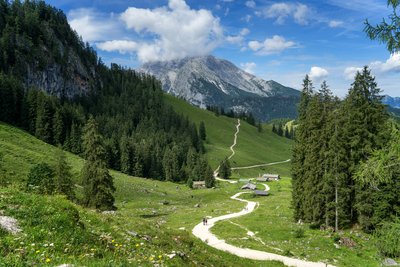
x,y
211,81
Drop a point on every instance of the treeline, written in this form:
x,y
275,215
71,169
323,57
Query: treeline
x,y
336,142
283,130
142,135
246,116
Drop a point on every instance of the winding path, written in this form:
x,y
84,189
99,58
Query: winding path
x,y
233,153
260,165
203,232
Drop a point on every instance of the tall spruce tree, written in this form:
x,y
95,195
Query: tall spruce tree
x,y
97,183
202,131
365,128
299,149
225,169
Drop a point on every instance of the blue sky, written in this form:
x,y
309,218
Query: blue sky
x,y
278,40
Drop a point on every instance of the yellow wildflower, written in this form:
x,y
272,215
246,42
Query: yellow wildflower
x,y
112,241
37,251
151,258
48,260
159,256
137,245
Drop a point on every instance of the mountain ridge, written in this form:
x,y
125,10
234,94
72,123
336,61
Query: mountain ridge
x,y
210,81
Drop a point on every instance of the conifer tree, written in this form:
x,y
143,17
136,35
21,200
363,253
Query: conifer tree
x,y
63,176
202,131
58,128
43,127
225,169
97,183
299,150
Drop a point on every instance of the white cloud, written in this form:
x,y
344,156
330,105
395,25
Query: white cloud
x,y
250,4
350,72
281,11
169,32
391,65
238,39
274,45
317,74
246,18
335,23
92,25
248,67
122,46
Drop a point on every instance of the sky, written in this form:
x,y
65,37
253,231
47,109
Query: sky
x,y
274,40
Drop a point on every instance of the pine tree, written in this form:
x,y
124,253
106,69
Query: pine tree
x,y
225,169
58,128
63,176
207,172
97,182
43,125
202,131
299,150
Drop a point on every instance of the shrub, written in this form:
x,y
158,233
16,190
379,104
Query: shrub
x,y
388,239
41,179
299,233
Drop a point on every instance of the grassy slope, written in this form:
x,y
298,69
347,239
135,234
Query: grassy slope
x,y
252,147
272,222
140,209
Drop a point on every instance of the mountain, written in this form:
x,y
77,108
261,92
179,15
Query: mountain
x,y
209,81
394,102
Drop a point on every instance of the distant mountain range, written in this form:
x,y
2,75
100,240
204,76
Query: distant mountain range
x,y
209,81
394,102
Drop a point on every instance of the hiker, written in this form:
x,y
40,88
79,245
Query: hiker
x,y
204,221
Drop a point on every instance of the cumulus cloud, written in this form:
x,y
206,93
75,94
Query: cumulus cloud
x,y
273,45
92,25
250,4
175,31
248,67
281,11
391,65
317,74
335,23
238,39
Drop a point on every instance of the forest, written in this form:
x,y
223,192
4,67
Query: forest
x,y
142,135
343,149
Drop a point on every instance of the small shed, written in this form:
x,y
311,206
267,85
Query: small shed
x,y
199,184
262,179
260,193
271,177
249,186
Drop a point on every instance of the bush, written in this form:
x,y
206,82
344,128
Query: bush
x,y
299,233
388,239
41,179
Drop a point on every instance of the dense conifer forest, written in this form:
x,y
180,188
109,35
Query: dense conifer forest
x,y
337,141
142,135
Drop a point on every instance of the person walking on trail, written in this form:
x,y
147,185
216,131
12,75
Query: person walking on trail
x,y
204,221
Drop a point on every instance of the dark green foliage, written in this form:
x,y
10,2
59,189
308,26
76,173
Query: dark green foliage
x,y
388,239
225,169
41,179
63,176
332,139
388,31
202,131
98,186
138,127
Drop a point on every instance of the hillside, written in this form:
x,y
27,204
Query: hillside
x,y
153,221
209,81
252,147
154,226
